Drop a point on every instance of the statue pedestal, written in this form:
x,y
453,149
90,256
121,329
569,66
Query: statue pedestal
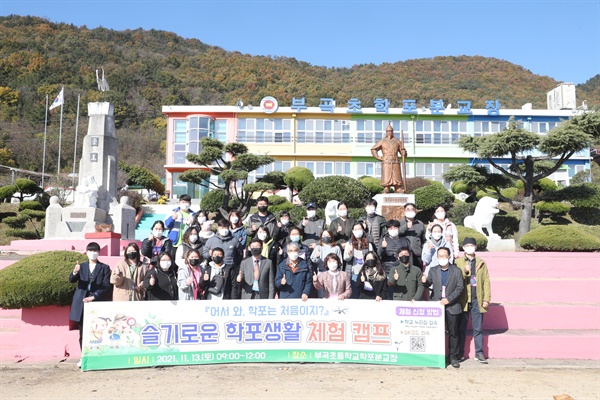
x,y
72,222
501,245
391,205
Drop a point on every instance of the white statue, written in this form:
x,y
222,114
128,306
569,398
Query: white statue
x,y
485,211
87,193
331,211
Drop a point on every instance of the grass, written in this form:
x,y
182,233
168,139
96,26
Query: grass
x,y
11,210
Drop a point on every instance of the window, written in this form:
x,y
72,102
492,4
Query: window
x,y
323,131
180,140
221,130
264,130
261,171
439,132
370,131
326,168
433,171
481,128
198,129
542,127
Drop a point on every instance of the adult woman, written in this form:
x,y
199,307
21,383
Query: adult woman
x,y
189,276
354,254
156,243
270,248
237,228
334,283
372,282
449,229
160,282
191,241
433,243
296,237
342,225
325,247
128,276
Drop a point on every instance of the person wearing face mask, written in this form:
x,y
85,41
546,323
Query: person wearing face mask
x,y
224,239
219,279
284,225
372,282
405,279
237,228
434,242
334,283
414,230
293,278
271,248
93,284
390,244
375,223
312,225
446,281
128,276
191,241
263,217
161,282
156,243
476,297
354,255
296,237
189,276
342,225
449,229
325,247
180,220
256,276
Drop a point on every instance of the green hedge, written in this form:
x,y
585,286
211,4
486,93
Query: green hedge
x,y
341,188
559,238
552,207
34,214
428,197
23,233
510,193
30,205
468,232
585,215
39,280
17,222
285,206
505,225
460,211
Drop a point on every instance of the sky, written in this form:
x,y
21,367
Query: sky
x,y
555,38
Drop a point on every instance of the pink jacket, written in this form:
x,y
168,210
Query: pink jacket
x,y
325,281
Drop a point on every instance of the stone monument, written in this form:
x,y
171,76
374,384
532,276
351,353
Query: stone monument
x,y
485,211
96,194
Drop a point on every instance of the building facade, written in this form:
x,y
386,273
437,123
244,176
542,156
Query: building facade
x,y
337,140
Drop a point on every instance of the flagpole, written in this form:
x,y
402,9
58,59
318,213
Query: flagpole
x,y
75,151
60,132
44,154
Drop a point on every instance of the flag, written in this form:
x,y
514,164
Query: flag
x,y
59,100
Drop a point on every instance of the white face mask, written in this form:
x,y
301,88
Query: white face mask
x,y
443,261
285,221
293,256
234,219
440,216
311,213
393,232
470,249
224,231
410,214
262,235
92,255
157,233
370,210
201,220
342,213
333,266
295,238
436,235
193,238
165,265
358,234
184,206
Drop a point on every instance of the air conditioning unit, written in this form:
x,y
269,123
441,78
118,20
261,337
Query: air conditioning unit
x,y
562,97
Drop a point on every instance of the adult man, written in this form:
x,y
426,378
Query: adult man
x,y
390,245
312,225
293,277
476,297
262,217
219,278
231,246
256,275
447,281
405,280
375,223
391,175
414,230
179,221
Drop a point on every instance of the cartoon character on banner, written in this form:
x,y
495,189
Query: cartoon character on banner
x,y
121,326
98,326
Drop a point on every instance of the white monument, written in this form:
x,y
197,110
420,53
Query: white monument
x,y
485,211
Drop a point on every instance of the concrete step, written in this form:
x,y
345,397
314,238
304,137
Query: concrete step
x,y
554,290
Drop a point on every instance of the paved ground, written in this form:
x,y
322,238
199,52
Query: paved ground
x,y
501,379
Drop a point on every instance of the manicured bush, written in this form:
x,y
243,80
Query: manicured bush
x,y
7,214
373,184
480,194
276,200
544,185
559,238
30,205
460,211
23,233
585,195
468,232
39,280
510,193
297,178
428,197
585,215
213,200
34,214
505,225
341,188
285,206
460,187
552,207
17,222
356,213
413,184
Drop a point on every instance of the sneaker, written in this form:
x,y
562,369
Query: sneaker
x,y
455,363
479,357
461,359
79,364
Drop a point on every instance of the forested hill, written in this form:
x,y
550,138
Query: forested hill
x,y
148,69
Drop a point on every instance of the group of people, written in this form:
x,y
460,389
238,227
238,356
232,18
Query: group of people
x,y
270,257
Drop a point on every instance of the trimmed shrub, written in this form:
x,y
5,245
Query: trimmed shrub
x,y
480,194
413,184
39,280
428,197
460,211
285,206
559,238
356,213
341,188
505,225
552,207
468,232
213,200
30,205
544,185
17,222
23,233
586,195
460,187
372,184
7,214
34,214
585,215
510,193
275,200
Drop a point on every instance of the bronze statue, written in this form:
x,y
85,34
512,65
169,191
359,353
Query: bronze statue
x,y
391,173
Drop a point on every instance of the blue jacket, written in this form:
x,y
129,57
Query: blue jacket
x,y
173,226
297,283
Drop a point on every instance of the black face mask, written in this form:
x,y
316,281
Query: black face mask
x,y
404,259
194,262
371,263
255,252
326,239
263,209
218,259
133,255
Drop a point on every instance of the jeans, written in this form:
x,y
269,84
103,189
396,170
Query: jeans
x,y
477,323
